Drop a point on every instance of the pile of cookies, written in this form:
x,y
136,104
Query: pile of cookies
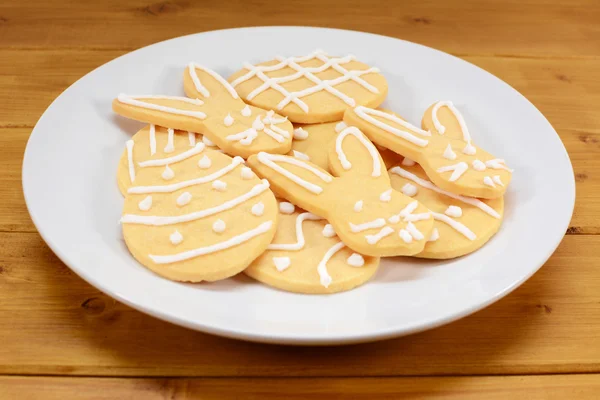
x,y
289,172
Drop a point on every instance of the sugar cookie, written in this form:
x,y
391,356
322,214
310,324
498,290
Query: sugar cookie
x,y
387,223
444,150
216,111
315,142
462,224
304,259
183,229
310,89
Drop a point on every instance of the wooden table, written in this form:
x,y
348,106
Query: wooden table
x,y
61,336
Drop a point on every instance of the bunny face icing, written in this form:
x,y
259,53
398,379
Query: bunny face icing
x,y
366,213
443,148
215,110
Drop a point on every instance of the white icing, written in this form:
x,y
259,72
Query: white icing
x,y
200,88
129,145
355,260
169,148
478,165
176,237
455,224
219,226
172,160
453,211
246,173
428,185
180,185
246,111
435,235
414,231
300,134
145,204
258,209
300,242
328,231
407,162
489,182
207,141
227,205
257,124
376,223
409,189
184,198
204,162
496,179
135,101
405,236
219,185
152,139
286,208
449,154
358,206
300,155
234,241
325,278
385,231
386,196
168,173
279,130
192,138
365,142
497,163
417,217
268,160
470,149
412,206
281,263
461,121
340,126
457,170
245,137
368,113
228,121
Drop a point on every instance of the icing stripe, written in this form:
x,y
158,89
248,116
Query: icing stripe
x,y
277,129
171,160
169,148
426,184
180,185
300,242
274,135
455,224
268,160
199,87
385,231
134,101
160,221
365,142
234,241
461,121
377,223
152,138
192,138
344,71
366,114
129,146
325,278
457,170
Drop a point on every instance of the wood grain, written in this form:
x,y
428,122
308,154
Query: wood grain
x,y
57,324
534,387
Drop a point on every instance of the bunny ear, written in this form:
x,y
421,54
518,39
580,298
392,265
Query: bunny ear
x,y
175,112
445,119
200,82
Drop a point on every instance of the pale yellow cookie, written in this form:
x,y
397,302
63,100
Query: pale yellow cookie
x,y
203,217
215,110
310,89
311,142
462,224
367,214
306,256
445,150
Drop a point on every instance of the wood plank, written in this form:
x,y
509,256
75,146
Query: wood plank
x,y
533,387
539,28
51,322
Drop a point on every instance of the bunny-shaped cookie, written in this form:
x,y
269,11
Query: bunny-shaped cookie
x,y
365,212
445,150
215,110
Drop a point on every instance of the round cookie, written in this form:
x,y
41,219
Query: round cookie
x,y
306,256
311,89
462,224
203,217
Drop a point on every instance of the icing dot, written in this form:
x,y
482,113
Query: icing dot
x,y
257,124
449,154
247,173
340,126
219,185
301,155
207,141
358,206
281,263
386,196
204,162
478,165
286,208
453,211
168,173
228,121
258,209
435,235
404,235
145,204
496,179
246,112
328,231
409,189
219,226
488,181
176,237
184,198
469,149
355,260
300,134
407,162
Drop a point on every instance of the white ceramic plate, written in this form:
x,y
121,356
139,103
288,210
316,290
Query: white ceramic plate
x,y
70,187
